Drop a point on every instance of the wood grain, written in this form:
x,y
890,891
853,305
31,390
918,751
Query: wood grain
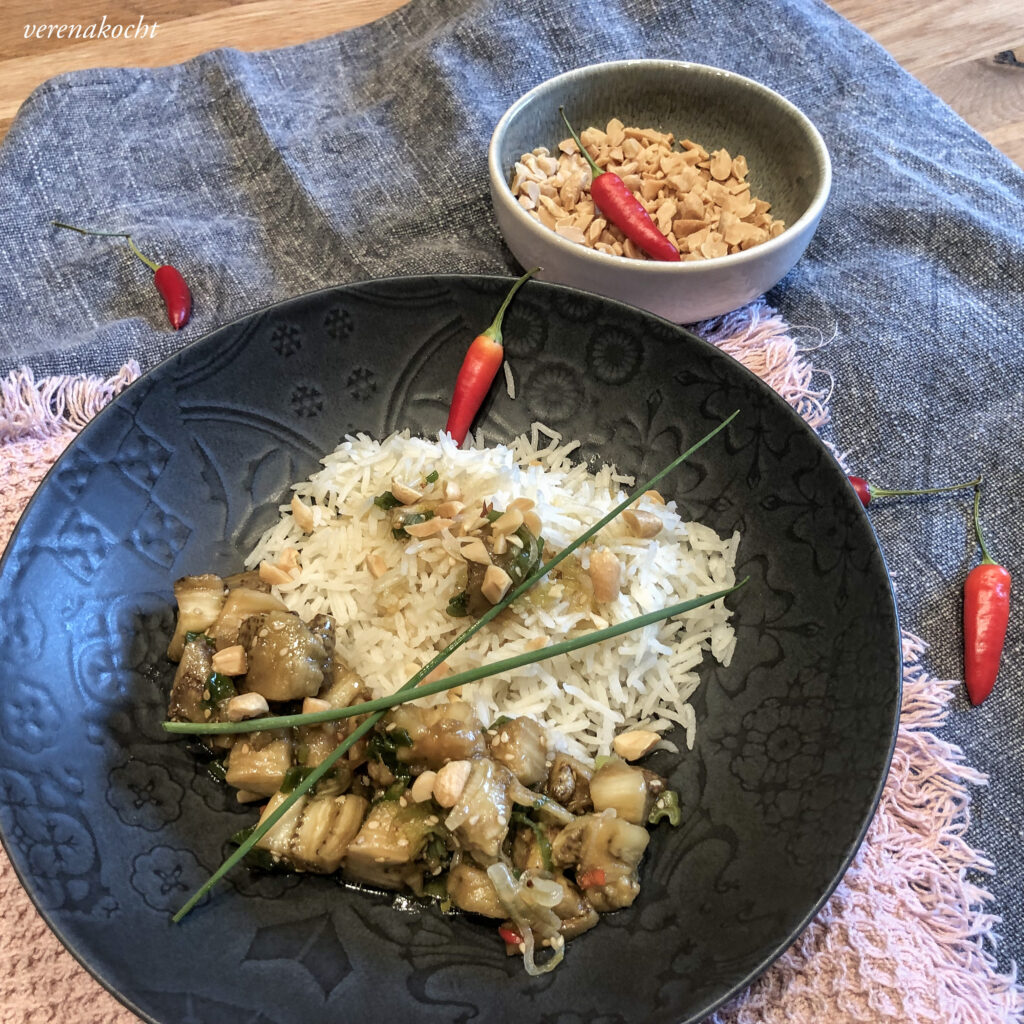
x,y
950,45
971,55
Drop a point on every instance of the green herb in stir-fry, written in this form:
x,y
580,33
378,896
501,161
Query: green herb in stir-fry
x,y
426,794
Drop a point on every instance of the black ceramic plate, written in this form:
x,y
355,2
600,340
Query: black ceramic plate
x,y
111,826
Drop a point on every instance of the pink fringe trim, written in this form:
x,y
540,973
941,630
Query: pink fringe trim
x,y
905,938
761,340
31,408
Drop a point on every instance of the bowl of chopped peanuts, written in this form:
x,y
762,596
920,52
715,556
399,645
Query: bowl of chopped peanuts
x,y
680,188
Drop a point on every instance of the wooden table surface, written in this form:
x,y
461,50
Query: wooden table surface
x,y
970,54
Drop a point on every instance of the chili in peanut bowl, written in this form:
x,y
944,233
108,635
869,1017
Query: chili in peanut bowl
x,y
680,188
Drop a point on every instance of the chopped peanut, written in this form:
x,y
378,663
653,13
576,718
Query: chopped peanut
x,y
508,522
523,504
310,705
642,524
403,494
532,522
302,514
423,787
450,782
246,705
495,584
474,550
375,565
231,661
272,574
699,200
653,496
632,745
605,575
289,560
449,509
429,528
440,672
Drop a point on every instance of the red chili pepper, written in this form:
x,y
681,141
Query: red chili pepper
x,y
986,616
478,370
623,209
591,879
510,935
167,279
866,491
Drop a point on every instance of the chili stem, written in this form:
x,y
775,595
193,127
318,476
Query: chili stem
x,y
149,263
879,492
471,675
986,558
583,152
110,234
494,331
89,231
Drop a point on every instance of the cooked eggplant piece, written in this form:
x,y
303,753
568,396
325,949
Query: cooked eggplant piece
x,y
569,783
531,844
188,701
521,746
313,743
250,580
343,687
480,816
605,850
287,660
448,732
471,890
259,763
576,912
518,560
240,604
200,599
624,789
387,850
315,832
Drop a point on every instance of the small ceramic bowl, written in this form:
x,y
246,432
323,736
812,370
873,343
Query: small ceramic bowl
x,y
788,161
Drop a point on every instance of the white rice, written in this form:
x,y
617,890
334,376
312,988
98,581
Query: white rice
x,y
387,628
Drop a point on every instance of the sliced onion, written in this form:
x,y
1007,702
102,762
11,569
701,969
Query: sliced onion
x,y
532,968
505,886
459,814
544,892
528,798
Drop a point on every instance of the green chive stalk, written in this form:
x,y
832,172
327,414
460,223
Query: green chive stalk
x,y
472,675
413,682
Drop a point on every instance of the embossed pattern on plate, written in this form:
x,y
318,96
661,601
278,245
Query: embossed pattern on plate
x,y
110,825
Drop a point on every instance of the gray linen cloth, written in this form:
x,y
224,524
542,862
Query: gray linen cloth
x,y
363,155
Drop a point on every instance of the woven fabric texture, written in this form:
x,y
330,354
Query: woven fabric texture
x,y
363,155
